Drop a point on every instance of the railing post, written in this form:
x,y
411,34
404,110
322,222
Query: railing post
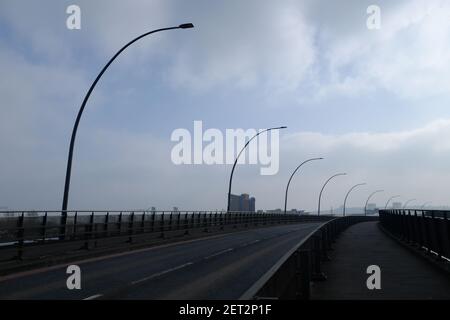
x,y
162,224
75,221
143,222
44,227
119,223
153,220
419,229
93,228
205,222
215,219
186,223
210,220
105,225
427,233
447,231
20,235
88,231
409,235
437,232
130,228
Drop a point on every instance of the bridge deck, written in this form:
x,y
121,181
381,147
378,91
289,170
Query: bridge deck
x,y
403,274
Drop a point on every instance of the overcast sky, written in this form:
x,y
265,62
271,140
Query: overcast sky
x,y
373,103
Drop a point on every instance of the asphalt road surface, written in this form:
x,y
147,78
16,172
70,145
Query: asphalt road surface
x,y
218,267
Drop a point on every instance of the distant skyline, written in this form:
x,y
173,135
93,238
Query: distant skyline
x,y
373,103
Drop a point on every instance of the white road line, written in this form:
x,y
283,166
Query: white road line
x,y
95,296
219,253
162,273
250,243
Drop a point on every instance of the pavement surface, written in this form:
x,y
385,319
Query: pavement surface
x,y
404,275
218,267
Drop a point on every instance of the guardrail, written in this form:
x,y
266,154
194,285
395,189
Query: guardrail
x,y
28,229
426,229
291,276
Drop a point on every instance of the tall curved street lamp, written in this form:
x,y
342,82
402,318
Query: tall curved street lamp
x,y
407,202
80,112
389,200
292,175
425,204
351,189
237,158
371,195
326,182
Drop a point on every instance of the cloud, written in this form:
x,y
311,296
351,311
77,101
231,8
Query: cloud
x,y
407,57
290,49
247,44
379,142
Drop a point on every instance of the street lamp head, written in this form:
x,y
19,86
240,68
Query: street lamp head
x,y
186,26
277,128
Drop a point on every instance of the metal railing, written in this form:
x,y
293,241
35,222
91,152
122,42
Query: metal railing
x,y
426,229
291,276
23,229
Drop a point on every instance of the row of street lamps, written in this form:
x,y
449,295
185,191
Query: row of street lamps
x,y
323,187
83,105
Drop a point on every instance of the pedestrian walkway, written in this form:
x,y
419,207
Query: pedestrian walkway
x,y
404,275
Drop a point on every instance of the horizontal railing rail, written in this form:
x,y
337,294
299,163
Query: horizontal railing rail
x,y
22,229
428,230
291,276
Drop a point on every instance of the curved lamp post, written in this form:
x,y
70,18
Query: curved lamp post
x,y
80,112
326,182
237,158
371,195
351,189
407,202
423,206
289,182
389,200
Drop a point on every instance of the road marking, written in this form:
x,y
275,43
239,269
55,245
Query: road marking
x,y
219,253
162,273
79,261
116,255
95,296
250,243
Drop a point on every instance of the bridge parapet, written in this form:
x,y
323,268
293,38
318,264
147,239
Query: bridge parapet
x,y
427,230
291,276
44,231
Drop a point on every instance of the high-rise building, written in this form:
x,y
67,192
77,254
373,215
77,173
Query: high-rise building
x,y
252,203
242,203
